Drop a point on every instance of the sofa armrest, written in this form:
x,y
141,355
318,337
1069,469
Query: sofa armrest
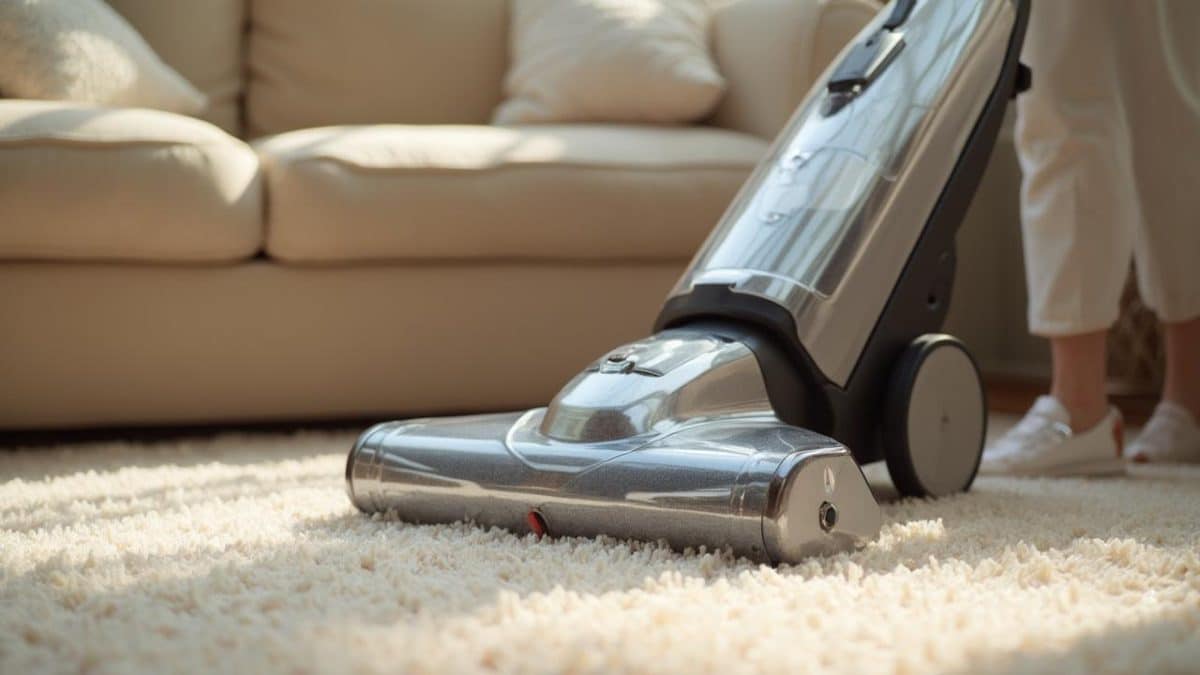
x,y
771,51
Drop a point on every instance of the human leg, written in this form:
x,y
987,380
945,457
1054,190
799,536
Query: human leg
x,y
1079,209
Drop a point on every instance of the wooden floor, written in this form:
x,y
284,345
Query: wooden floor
x,y
1014,395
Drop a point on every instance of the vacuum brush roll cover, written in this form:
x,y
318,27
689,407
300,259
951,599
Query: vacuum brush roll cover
x,y
769,491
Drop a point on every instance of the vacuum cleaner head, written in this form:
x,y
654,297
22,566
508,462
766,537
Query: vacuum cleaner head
x,y
810,314
672,437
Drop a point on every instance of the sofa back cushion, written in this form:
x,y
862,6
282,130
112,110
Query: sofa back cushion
x,y
318,62
772,51
202,40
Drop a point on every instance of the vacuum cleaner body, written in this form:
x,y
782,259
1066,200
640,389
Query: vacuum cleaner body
x,y
809,315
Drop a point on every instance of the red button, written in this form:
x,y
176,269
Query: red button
x,y
537,524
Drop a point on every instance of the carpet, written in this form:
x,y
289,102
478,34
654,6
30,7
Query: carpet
x,y
241,553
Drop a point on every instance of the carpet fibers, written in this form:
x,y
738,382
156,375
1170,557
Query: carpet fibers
x,y
241,553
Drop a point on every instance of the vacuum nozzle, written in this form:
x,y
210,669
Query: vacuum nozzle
x,y
669,459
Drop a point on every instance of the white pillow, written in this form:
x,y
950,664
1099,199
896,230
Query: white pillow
x,y
82,50
609,61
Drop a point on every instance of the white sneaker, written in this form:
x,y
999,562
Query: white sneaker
x,y
1042,444
1171,435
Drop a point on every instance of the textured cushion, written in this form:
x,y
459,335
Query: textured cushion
x,y
83,51
609,61
321,62
772,51
202,39
127,184
550,192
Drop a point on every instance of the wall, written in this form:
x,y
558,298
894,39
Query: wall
x,y
988,308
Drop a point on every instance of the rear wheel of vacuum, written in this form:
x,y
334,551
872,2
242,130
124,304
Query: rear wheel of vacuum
x,y
935,418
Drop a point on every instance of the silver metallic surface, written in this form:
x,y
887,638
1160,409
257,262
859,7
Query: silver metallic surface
x,y
677,373
682,446
946,417
825,226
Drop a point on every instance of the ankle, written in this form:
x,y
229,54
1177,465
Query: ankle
x,y
1192,406
1182,344
1085,413
1078,378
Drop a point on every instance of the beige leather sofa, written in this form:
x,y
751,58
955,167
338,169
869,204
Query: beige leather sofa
x,y
344,236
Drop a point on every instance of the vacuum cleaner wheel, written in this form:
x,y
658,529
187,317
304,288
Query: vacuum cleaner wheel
x,y
935,418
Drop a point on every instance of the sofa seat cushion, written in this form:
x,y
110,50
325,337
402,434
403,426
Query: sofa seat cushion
x,y
81,182
537,192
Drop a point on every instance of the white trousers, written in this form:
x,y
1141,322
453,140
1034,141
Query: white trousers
x,y
1109,144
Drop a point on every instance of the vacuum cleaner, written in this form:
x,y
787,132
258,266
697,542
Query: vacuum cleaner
x,y
801,342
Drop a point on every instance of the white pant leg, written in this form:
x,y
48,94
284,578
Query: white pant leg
x,y
1079,204
1165,130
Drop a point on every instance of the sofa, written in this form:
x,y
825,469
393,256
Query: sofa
x,y
343,235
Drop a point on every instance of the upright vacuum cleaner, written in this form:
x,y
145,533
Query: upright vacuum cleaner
x,y
801,342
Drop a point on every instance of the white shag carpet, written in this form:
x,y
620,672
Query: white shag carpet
x,y
243,554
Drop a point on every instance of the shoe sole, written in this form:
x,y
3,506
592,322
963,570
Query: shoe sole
x,y
1136,456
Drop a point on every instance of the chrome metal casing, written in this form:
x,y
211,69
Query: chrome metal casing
x,y
824,227
667,438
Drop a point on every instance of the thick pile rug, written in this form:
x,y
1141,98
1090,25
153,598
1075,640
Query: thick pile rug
x,y
241,553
